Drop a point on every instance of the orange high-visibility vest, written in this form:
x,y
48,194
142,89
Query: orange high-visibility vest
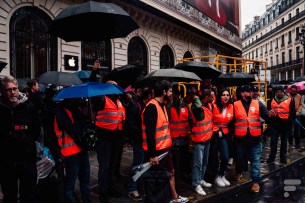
x,y
282,109
244,121
68,146
203,130
162,134
220,122
112,116
179,124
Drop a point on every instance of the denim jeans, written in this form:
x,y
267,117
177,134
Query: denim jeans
x,y
77,165
26,173
274,140
138,158
200,161
219,145
295,134
252,150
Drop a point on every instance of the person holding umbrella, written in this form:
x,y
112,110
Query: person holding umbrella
x,y
68,126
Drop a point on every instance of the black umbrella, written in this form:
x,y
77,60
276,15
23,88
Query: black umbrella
x,y
124,75
92,21
235,79
2,65
171,74
59,78
203,70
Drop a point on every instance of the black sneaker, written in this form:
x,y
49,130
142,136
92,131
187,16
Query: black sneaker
x,y
283,160
269,161
135,196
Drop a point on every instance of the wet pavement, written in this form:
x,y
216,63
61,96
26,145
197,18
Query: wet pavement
x,y
273,176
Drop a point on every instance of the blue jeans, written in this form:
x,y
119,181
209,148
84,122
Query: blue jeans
x,y
219,144
138,158
273,143
252,150
200,161
77,165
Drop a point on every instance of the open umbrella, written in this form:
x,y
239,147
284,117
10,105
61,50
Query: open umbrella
x,y
59,78
2,65
124,75
203,70
234,79
88,89
77,22
171,74
300,86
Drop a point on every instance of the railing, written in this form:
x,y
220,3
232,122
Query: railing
x,y
290,64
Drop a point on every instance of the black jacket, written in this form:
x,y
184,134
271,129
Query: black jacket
x,y
20,127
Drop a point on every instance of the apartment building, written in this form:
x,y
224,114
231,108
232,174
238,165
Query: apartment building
x,y
169,30
274,37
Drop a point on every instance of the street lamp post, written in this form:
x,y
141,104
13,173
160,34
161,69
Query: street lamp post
x,y
302,40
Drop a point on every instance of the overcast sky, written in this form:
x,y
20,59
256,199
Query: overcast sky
x,y
251,8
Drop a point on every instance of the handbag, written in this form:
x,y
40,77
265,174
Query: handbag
x,y
45,162
88,138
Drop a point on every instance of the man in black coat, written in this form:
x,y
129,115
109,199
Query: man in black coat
x,y
20,127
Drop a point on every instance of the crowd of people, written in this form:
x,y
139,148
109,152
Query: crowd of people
x,y
201,132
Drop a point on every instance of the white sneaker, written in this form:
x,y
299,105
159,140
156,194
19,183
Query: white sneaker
x,y
230,161
179,199
218,181
200,191
205,184
225,181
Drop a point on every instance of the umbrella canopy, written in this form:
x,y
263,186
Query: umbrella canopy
x,y
88,89
2,65
235,79
171,74
124,75
203,70
300,86
84,74
59,78
77,22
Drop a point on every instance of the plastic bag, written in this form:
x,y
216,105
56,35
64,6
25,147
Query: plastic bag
x,y
45,162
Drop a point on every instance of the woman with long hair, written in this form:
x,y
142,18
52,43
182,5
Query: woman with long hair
x,y
222,115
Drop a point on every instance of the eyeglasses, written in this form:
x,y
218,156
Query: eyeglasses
x,y
11,89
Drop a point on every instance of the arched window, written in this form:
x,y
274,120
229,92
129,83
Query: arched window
x,y
188,54
96,50
32,50
137,53
166,57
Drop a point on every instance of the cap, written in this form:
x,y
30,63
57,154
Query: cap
x,y
245,88
254,88
281,88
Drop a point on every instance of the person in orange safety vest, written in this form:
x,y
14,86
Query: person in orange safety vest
x,y
156,134
180,124
284,112
110,120
247,114
68,125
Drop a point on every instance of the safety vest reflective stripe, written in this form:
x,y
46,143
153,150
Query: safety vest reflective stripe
x,y
220,120
162,134
159,139
244,121
178,122
203,130
112,116
68,146
282,109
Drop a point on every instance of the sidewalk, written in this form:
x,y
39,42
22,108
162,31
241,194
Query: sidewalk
x,y
185,188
